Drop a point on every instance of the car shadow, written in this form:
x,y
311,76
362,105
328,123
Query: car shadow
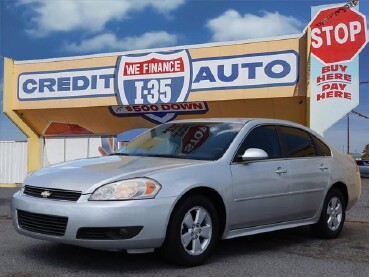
x,y
266,241
77,258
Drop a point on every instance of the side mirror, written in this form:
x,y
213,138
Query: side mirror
x,y
252,154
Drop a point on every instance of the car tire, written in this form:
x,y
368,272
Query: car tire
x,y
332,216
192,232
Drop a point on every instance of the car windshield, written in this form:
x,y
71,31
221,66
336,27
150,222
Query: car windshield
x,y
201,141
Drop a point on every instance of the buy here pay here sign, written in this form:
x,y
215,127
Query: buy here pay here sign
x,y
337,34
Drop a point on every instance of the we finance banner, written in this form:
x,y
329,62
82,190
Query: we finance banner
x,y
338,34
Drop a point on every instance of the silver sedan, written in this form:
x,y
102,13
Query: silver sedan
x,y
182,186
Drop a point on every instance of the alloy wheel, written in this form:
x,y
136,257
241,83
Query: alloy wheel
x,y
334,212
196,231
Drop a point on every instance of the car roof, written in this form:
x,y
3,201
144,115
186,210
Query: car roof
x,y
225,120
240,120
249,120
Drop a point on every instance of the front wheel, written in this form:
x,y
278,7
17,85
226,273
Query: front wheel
x,y
332,217
192,232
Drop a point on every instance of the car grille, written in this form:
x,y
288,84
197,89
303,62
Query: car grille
x,y
42,223
57,194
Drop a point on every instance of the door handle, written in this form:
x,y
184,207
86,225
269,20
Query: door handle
x,y
281,170
323,167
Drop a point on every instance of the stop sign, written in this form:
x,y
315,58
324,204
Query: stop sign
x,y
340,38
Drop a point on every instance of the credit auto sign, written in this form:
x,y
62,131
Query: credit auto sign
x,y
155,80
337,34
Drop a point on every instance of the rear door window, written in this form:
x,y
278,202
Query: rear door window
x,y
322,147
298,142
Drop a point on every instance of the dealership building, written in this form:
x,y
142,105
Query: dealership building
x,y
75,107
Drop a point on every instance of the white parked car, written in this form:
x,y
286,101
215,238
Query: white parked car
x,y
184,185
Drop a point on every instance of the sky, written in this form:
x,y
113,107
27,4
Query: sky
x,y
38,29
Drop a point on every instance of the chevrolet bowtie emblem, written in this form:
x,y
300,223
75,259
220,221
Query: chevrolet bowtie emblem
x,y
45,193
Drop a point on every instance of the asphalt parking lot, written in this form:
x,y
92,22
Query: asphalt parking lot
x,y
291,252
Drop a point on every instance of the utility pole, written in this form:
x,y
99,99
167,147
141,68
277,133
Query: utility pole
x,y
348,133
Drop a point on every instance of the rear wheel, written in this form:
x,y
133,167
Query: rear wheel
x,y
332,217
192,232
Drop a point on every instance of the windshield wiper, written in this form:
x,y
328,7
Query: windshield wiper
x,y
119,154
162,155
157,155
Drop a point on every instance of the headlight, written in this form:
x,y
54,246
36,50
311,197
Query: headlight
x,y
140,188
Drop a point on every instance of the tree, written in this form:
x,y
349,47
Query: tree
x,y
365,153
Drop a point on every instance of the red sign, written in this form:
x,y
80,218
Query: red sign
x,y
337,38
153,66
194,138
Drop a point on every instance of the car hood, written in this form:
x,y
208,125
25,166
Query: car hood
x,y
88,174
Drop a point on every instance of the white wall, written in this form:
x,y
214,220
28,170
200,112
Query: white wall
x,y
61,149
13,154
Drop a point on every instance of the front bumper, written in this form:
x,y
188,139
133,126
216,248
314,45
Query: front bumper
x,y
152,214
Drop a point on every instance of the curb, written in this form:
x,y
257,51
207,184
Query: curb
x,y
10,185
358,220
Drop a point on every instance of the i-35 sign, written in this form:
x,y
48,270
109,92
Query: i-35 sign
x,y
337,34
